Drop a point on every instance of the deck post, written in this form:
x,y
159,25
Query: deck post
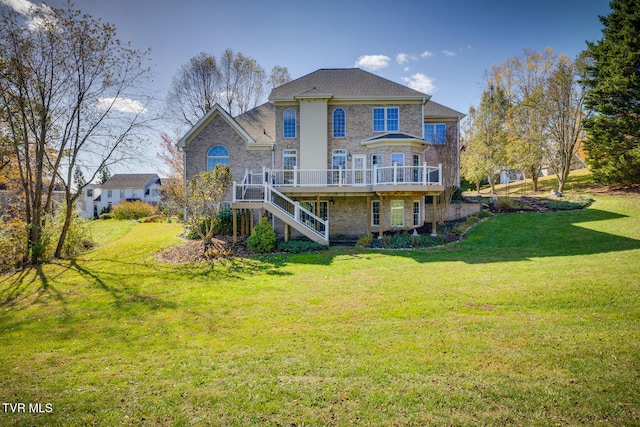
x,y
434,222
381,215
235,225
368,215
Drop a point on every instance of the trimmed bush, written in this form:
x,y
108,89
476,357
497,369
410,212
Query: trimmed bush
x,y
132,210
263,238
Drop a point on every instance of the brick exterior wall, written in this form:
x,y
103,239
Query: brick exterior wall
x,y
348,216
219,132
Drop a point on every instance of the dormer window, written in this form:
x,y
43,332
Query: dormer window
x,y
386,119
289,123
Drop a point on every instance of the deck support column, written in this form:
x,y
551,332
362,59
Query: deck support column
x,y
434,222
235,225
369,215
381,215
286,232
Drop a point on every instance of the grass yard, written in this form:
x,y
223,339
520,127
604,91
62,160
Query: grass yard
x,y
534,319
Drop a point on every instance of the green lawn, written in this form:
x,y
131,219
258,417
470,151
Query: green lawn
x,y
534,319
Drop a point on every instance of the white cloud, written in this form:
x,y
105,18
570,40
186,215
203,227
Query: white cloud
x,y
406,69
426,54
448,53
125,105
20,6
373,62
421,82
402,58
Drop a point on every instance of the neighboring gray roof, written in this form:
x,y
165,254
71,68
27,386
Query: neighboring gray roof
x,y
259,123
438,111
133,180
344,83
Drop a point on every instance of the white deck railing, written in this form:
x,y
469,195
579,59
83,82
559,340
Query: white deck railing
x,y
341,177
265,193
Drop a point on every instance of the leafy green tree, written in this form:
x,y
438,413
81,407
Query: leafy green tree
x,y
486,137
524,81
613,97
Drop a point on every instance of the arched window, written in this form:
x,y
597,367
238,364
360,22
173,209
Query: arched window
x,y
217,155
289,123
338,123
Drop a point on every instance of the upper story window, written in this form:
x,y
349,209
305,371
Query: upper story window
x,y
217,155
109,194
122,194
435,133
289,123
339,123
89,192
386,119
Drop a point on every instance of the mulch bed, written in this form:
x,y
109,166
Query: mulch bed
x,y
192,251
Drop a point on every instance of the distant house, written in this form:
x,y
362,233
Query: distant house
x,y
338,152
120,187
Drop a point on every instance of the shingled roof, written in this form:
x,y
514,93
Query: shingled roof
x,y
259,123
132,180
438,111
344,83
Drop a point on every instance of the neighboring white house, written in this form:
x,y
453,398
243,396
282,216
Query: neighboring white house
x,y
129,187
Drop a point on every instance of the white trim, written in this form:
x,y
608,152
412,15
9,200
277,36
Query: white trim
x,y
372,213
413,214
204,121
391,213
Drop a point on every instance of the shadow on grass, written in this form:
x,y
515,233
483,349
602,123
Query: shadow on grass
x,y
511,237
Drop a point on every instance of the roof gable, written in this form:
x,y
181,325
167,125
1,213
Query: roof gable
x,y
206,119
345,83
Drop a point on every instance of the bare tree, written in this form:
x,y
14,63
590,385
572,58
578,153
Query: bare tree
x,y
279,76
242,82
195,89
564,105
70,86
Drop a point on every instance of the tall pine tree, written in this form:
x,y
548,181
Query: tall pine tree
x,y
613,97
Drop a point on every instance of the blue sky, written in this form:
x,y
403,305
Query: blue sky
x,y
439,47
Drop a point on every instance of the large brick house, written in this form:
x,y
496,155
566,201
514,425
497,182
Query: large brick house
x,y
338,152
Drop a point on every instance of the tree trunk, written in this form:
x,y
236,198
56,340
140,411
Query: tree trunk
x,y
65,228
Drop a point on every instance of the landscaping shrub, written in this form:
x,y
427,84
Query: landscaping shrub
x,y
133,210
154,218
299,246
78,237
503,204
13,243
263,238
365,241
400,241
